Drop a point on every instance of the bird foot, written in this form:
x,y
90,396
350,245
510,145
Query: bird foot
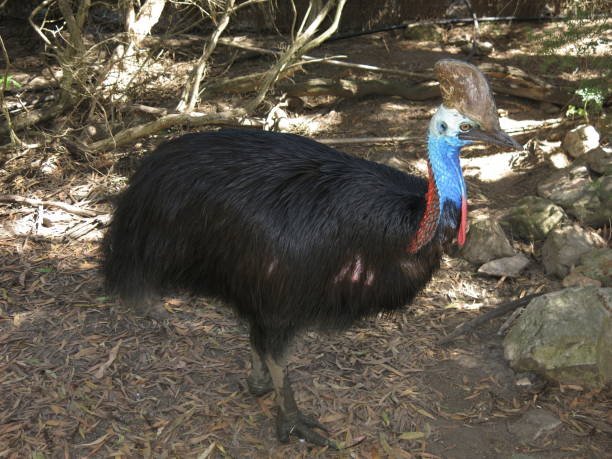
x,y
301,426
259,385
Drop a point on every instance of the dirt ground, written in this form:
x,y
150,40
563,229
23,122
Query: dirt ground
x,y
81,376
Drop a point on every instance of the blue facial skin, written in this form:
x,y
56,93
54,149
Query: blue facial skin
x,y
444,147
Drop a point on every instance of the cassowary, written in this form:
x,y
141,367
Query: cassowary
x,y
293,234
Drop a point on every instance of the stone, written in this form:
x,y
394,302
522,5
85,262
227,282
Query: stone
x,y
580,140
559,160
575,279
534,424
600,160
564,246
423,32
565,336
505,267
596,264
565,186
486,241
594,205
534,217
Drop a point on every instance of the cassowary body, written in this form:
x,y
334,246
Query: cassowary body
x,y
291,233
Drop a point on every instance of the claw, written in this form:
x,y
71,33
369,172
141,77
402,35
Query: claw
x,y
302,426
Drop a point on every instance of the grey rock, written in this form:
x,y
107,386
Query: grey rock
x,y
534,218
594,205
596,264
564,246
559,160
575,279
565,186
580,140
486,241
533,424
565,336
600,160
508,266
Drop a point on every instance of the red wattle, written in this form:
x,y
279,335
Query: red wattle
x,y
463,223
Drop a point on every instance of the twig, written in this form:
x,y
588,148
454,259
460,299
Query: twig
x,y
60,205
312,59
498,311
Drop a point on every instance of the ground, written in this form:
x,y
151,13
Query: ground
x,y
81,376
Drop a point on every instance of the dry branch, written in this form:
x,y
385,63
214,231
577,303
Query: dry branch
x,y
355,88
191,92
60,205
236,117
498,311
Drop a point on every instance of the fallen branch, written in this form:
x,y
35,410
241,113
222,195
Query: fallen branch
x,y
498,311
60,205
355,88
236,117
312,59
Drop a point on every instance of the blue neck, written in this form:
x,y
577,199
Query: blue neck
x,y
444,159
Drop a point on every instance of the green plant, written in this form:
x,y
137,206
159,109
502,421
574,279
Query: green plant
x,y
592,98
6,83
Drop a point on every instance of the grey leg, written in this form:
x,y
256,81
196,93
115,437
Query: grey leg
x,y
259,381
290,420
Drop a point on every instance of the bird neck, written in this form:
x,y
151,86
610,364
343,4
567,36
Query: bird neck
x,y
445,191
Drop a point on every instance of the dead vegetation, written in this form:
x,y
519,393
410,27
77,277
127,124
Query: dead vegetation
x,y
81,376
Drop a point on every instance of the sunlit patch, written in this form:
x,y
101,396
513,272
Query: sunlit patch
x,y
355,271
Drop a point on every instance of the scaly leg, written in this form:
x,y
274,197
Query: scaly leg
x,y
259,381
290,420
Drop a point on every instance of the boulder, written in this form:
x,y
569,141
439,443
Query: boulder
x,y
564,246
600,160
486,241
534,218
594,205
580,140
565,336
505,267
565,186
596,264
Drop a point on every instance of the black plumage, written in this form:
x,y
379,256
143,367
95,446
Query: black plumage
x,y
290,233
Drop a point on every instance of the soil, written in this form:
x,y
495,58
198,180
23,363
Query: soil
x,y
82,376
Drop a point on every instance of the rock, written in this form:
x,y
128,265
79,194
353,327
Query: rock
x,y
486,241
580,140
534,217
533,424
596,264
559,160
575,279
483,48
565,186
564,246
594,206
423,32
565,336
600,160
509,266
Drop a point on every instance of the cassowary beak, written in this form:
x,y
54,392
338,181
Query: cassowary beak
x,y
495,137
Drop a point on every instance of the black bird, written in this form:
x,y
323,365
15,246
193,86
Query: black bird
x,y
293,234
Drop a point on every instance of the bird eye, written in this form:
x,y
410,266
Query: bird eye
x,y
443,126
465,127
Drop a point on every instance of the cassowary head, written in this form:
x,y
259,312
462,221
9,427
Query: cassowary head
x,y
468,111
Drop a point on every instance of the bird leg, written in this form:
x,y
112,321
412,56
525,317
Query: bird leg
x,y
290,420
259,381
